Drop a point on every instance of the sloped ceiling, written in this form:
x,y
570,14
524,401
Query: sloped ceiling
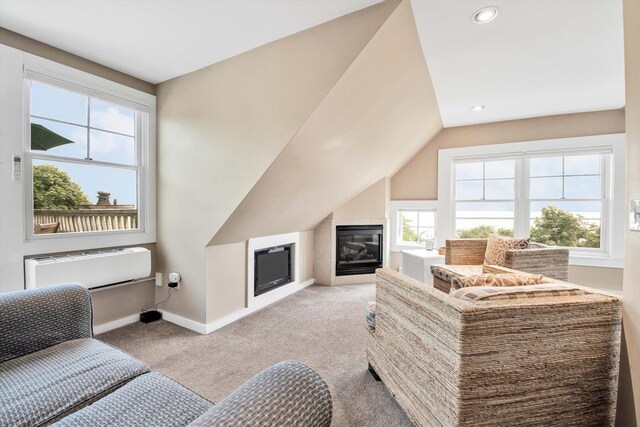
x,y
159,40
221,127
377,116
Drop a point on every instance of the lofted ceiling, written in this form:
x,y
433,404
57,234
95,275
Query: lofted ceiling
x,y
158,40
537,58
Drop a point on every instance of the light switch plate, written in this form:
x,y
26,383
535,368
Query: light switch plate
x,y
634,215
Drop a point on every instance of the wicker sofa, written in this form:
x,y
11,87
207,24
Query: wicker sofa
x,y
466,257
52,371
528,362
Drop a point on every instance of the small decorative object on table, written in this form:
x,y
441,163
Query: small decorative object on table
x,y
429,243
634,215
442,251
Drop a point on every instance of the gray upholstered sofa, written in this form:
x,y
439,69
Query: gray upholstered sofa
x,y
52,371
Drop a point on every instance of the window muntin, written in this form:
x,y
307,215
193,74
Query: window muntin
x,y
567,200
93,148
416,226
557,199
484,197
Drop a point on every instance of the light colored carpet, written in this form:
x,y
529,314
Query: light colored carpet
x,y
321,326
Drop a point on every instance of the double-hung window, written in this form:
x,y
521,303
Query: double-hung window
x,y
565,193
485,197
86,163
88,160
567,199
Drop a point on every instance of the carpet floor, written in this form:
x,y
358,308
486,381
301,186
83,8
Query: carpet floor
x,y
321,326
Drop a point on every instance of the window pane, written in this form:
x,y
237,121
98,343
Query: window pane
x,y
409,218
469,170
582,187
469,190
571,224
501,189
545,166
582,165
66,197
500,169
60,104
545,188
425,233
427,218
480,219
58,138
109,147
112,117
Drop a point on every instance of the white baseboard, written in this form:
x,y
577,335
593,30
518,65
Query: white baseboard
x,y
237,315
202,328
198,327
115,324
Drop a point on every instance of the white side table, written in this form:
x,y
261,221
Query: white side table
x,y
416,263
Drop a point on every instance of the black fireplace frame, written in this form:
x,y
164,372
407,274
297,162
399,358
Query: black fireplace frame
x,y
365,268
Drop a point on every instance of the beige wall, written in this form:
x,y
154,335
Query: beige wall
x,y
630,380
377,116
221,127
418,179
227,275
18,41
371,203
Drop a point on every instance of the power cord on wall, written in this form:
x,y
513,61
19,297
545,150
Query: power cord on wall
x,y
166,299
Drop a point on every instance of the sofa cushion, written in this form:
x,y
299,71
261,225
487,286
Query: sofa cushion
x,y
148,400
370,312
448,272
500,280
42,386
492,293
497,247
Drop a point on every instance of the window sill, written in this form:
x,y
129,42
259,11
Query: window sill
x,y
595,261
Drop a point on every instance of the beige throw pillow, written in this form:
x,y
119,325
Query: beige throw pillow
x,y
497,247
500,280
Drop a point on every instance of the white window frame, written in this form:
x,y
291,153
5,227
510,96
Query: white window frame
x,y
48,72
611,253
396,206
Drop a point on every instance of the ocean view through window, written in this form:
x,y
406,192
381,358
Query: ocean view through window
x,y
567,192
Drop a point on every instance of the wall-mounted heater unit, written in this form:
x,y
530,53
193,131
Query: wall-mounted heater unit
x,y
92,270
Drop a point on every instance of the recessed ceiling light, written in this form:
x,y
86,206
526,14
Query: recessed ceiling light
x,y
477,108
484,15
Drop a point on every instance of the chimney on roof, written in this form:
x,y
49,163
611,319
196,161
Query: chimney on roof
x,y
103,199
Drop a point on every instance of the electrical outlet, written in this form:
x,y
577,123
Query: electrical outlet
x,y
159,279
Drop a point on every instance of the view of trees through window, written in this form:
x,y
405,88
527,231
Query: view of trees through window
x,y
417,226
84,162
564,198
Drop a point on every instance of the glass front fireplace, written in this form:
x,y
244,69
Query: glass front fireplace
x,y
358,249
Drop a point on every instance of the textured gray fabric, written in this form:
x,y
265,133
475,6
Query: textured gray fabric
x,y
41,386
148,400
35,319
286,394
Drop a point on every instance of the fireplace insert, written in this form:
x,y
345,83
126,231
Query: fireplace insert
x,y
358,249
272,268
